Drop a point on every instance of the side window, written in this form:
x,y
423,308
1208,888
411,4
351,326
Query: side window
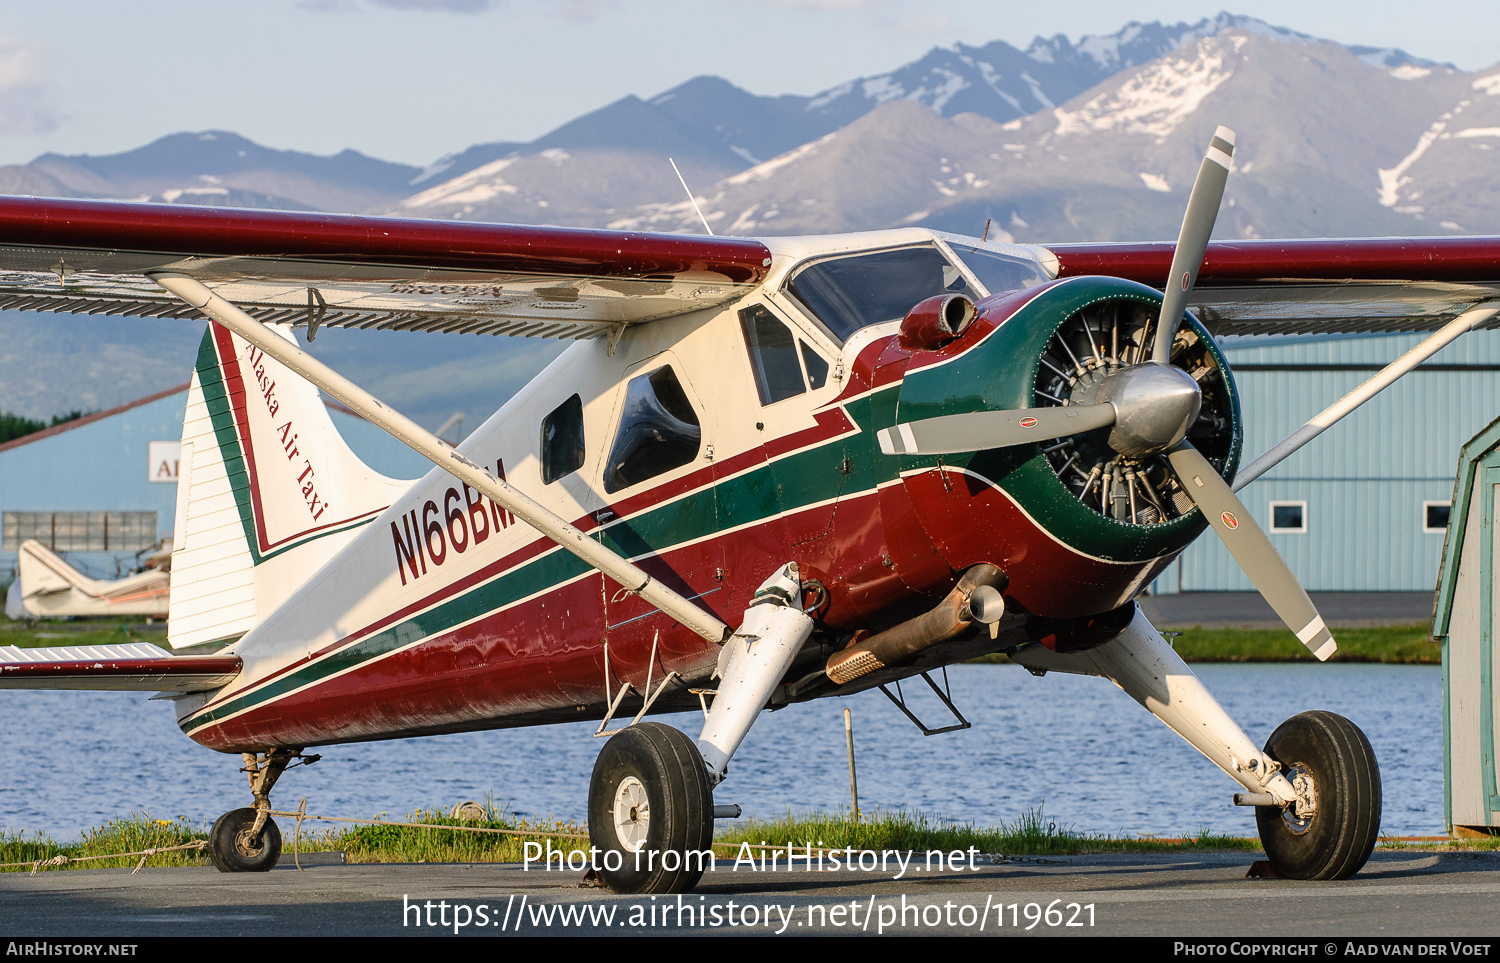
x,y
817,368
773,355
562,440
659,431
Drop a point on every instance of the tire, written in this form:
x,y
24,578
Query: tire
x,y
1338,838
231,851
652,777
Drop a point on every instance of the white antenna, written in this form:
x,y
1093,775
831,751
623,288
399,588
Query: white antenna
x,y
693,200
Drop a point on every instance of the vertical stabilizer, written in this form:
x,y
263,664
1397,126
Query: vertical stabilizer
x,y
268,493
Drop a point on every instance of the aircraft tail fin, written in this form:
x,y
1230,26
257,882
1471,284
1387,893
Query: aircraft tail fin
x,y
268,492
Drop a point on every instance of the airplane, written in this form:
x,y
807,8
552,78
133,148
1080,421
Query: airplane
x,y
769,471
47,587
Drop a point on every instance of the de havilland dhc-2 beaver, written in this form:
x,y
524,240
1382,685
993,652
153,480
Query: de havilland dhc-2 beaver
x,y
769,471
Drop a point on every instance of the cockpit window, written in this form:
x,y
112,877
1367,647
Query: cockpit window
x,y
999,273
659,431
849,293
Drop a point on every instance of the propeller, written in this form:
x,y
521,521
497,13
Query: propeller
x,y
1192,241
1148,408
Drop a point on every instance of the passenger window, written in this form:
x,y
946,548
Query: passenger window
x,y
817,368
659,431
562,440
849,293
773,355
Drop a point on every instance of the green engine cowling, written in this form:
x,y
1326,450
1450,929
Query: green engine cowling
x,y
1071,545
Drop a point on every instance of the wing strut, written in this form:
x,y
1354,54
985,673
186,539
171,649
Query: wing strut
x,y
424,443
1335,412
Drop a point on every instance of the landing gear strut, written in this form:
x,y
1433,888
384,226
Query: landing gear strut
x,y
248,840
651,805
1315,788
1330,830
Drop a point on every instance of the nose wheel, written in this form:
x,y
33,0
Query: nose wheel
x,y
651,811
1330,831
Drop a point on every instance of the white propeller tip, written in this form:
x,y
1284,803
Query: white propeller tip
x,y
1224,133
1325,650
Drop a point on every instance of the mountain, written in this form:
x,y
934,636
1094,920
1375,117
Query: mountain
x,y
218,168
596,168
1330,143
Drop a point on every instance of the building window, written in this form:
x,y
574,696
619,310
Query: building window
x,y
81,531
1289,516
1435,517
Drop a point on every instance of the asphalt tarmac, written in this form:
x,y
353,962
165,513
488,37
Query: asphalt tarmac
x,y
1398,894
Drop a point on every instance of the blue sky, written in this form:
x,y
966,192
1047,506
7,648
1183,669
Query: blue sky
x,y
409,80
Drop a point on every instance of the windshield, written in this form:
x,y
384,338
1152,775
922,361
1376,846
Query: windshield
x,y
849,293
998,272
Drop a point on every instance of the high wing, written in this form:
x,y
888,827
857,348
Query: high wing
x,y
327,270
93,257
1323,286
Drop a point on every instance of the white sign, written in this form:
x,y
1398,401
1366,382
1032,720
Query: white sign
x,y
162,460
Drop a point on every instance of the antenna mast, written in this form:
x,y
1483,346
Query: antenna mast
x,y
691,199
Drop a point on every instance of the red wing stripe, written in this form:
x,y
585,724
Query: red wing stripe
x,y
1455,259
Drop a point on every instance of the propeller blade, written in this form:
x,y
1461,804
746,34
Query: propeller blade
x,y
1251,549
1192,243
981,430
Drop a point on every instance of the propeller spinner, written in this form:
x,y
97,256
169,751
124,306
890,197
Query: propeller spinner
x,y
1149,406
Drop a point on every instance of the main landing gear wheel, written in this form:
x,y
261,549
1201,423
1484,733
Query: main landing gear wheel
x,y
1331,830
651,811
232,849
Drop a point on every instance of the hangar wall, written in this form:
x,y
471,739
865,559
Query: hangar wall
x,y
1365,480
100,463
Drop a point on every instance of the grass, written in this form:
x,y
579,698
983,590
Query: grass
x,y
1032,834
360,844
403,844
127,834
81,632
1398,645
1392,645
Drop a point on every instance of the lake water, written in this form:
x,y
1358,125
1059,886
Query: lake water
x,y
1074,746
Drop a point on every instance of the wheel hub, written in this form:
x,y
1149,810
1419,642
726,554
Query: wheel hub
x,y
632,811
1299,815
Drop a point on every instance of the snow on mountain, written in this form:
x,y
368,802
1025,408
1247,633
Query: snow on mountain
x,y
1315,122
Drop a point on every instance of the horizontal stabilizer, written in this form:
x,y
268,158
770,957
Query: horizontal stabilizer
x,y
134,667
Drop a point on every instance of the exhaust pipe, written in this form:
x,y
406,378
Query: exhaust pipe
x,y
976,598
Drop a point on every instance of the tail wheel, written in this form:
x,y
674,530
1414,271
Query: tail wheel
x,y
651,811
1332,829
232,849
